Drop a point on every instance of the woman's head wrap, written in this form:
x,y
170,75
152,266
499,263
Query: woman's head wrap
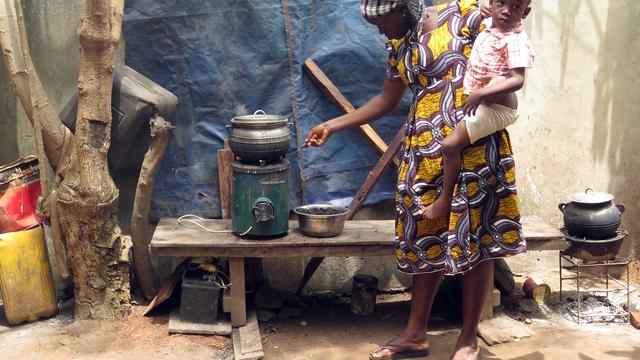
x,y
374,8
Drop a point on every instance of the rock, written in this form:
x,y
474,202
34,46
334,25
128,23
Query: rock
x,y
502,329
265,315
527,321
290,312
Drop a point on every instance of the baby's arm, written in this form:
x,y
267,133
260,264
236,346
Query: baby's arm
x,y
495,91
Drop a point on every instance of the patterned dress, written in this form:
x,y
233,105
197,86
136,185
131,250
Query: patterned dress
x,y
484,218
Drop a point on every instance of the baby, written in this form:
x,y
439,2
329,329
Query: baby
x,y
495,71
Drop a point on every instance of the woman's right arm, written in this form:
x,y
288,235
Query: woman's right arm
x,y
377,107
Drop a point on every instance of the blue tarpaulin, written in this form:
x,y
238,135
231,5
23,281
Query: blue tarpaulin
x,y
229,58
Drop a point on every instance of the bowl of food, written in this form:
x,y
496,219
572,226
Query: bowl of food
x,y
321,220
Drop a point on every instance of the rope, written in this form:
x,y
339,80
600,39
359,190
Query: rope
x,y
184,218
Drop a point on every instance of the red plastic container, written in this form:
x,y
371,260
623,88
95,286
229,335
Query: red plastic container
x,y
19,192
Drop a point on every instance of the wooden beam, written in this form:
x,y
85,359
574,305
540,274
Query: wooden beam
x,y
375,174
247,342
357,201
329,89
225,175
238,302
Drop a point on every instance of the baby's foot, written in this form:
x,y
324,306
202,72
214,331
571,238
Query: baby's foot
x,y
437,209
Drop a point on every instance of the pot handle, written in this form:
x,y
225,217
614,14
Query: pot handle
x,y
620,207
586,191
228,128
259,111
562,206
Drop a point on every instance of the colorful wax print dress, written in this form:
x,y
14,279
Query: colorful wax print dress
x,y
484,218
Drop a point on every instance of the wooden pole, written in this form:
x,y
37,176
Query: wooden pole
x,y
329,89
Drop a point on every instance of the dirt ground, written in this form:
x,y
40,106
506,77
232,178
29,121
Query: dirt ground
x,y
326,330
136,338
339,335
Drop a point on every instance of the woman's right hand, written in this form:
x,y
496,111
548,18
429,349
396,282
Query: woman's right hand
x,y
318,136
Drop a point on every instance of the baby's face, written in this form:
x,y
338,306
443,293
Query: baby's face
x,y
508,13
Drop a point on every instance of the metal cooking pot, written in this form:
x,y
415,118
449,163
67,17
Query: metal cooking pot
x,y
259,136
321,220
592,214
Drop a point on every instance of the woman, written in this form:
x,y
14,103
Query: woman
x,y
428,49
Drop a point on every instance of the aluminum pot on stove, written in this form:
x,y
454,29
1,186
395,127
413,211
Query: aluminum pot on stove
x,y
592,214
259,136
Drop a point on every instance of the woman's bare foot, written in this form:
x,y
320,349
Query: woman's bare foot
x,y
414,343
466,352
438,209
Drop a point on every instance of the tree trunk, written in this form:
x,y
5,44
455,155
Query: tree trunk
x,y
87,198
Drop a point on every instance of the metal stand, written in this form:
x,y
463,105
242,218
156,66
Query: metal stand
x,y
577,265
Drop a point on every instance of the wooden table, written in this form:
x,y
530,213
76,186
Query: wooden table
x,y
359,238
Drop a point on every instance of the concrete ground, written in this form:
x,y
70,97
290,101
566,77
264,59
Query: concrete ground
x,y
327,330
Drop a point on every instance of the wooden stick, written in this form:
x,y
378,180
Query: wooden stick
x,y
375,174
160,133
327,87
357,201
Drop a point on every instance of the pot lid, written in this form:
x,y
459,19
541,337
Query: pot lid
x,y
259,117
591,197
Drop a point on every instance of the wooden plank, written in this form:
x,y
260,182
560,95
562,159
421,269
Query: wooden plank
x,y
247,342
250,340
541,244
225,175
168,287
238,301
375,174
359,238
309,270
357,201
332,92
535,228
179,326
356,233
361,232
231,252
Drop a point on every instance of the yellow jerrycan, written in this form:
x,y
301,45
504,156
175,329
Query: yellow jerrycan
x,y
26,284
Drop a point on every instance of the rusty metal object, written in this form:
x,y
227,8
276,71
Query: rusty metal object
x,y
536,289
363,294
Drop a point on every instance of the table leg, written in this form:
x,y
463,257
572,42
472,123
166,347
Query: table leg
x,y
238,301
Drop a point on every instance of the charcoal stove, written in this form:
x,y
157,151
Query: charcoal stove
x,y
260,191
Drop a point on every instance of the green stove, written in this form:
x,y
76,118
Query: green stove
x,y
260,198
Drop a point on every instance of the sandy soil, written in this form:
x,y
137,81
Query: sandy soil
x,y
327,330
339,335
137,337
333,333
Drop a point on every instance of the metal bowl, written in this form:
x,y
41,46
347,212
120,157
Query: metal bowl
x,y
321,220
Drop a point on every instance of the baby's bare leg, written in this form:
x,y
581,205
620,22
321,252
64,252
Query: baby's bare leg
x,y
452,148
